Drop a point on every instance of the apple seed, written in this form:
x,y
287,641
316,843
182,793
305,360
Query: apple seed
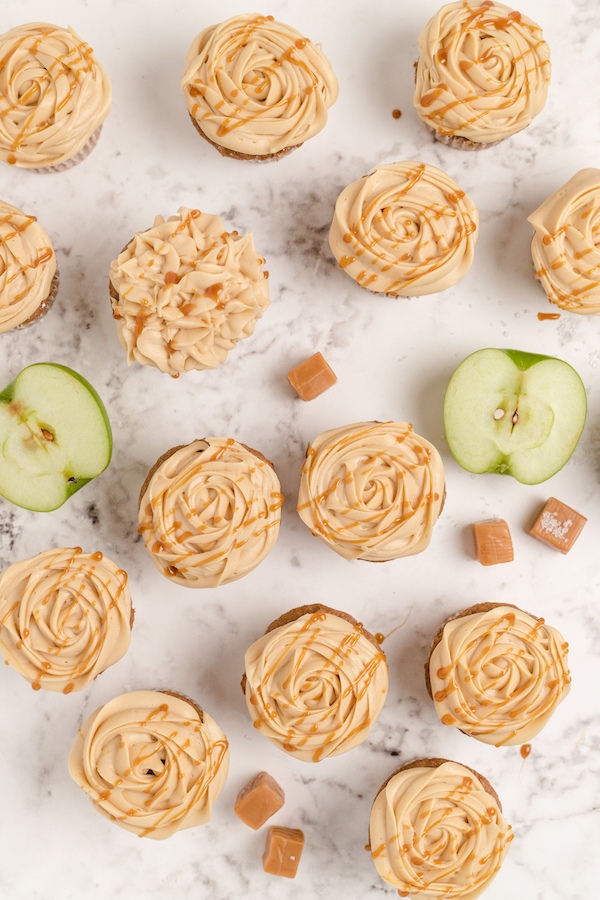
x,y
47,435
515,418
498,414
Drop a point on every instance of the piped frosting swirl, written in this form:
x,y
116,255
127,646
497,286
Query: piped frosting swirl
x,y
406,229
257,86
27,266
372,490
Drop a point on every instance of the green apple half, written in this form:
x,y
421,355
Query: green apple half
x,y
54,436
515,413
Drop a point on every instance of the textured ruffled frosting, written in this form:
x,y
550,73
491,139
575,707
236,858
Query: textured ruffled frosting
x,y
256,86
150,762
27,266
499,675
65,616
53,95
315,686
186,291
210,513
436,833
406,228
566,244
483,71
372,491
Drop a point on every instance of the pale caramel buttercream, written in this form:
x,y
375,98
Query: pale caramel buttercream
x,y
150,762
406,229
372,490
27,266
499,675
210,513
54,94
566,244
315,686
65,616
436,832
186,291
483,71
256,86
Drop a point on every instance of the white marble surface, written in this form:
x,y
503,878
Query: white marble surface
x,y
393,359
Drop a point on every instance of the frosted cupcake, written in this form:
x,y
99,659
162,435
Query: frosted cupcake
x,y
186,291
256,88
404,230
54,96
28,270
482,75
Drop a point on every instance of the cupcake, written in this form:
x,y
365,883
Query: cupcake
x,y
406,229
54,96
315,682
65,617
566,246
256,88
28,271
186,291
497,673
151,761
482,75
437,831
372,491
210,512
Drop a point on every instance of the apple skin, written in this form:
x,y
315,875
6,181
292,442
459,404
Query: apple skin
x,y
511,463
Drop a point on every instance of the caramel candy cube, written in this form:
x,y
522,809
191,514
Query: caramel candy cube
x,y
311,377
259,800
558,525
493,543
283,851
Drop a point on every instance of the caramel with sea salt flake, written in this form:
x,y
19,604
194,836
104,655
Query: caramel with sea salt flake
x,y
493,543
283,851
259,800
311,377
558,525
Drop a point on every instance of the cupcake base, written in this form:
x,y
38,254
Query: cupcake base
x,y
460,143
44,306
233,154
74,160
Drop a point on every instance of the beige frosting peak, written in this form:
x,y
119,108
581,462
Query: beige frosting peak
x,y
151,763
566,244
27,266
53,95
406,228
210,513
257,86
437,833
499,675
188,291
315,686
483,72
372,491
65,616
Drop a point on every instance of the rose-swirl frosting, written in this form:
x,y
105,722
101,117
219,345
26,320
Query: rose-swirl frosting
x,y
499,675
315,686
436,833
256,86
186,291
483,71
54,94
210,513
406,229
566,244
151,762
27,266
372,490
65,616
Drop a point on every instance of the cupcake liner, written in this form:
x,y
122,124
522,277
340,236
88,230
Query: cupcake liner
x,y
233,154
44,306
460,143
74,160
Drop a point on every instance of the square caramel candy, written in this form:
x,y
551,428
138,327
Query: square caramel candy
x,y
311,377
259,800
283,851
493,543
558,525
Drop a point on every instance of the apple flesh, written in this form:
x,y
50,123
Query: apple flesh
x,y
54,436
514,413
